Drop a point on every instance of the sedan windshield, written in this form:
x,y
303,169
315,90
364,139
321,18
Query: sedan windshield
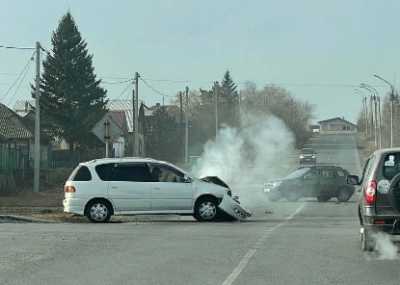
x,y
297,173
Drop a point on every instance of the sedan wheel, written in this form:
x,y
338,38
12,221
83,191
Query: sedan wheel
x,y
344,195
98,212
206,210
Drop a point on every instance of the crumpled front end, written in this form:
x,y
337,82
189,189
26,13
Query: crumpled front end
x,y
232,207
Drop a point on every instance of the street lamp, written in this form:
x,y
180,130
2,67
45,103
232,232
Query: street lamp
x,y
393,96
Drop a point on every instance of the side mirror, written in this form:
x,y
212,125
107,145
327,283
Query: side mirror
x,y
187,179
353,180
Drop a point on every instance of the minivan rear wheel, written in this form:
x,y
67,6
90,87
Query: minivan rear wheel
x,y
98,211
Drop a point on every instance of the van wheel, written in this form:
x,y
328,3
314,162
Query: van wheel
x,y
98,211
367,242
344,195
206,209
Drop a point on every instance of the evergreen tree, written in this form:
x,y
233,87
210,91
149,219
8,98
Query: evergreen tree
x,y
228,88
72,100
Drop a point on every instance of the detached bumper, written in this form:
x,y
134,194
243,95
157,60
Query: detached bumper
x,y
233,208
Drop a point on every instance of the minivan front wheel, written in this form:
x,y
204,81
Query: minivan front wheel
x,y
206,209
98,211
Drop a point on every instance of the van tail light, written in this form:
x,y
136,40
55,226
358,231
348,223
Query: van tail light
x,y
370,192
69,189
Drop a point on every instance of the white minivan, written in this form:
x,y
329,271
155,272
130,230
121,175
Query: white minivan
x,y
101,188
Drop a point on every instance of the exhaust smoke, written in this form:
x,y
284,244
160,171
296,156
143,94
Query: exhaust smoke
x,y
248,157
385,247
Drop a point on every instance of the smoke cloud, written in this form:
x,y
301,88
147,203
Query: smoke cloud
x,y
385,248
246,158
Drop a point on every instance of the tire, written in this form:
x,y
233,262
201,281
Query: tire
x,y
98,211
206,209
323,198
343,195
292,196
367,242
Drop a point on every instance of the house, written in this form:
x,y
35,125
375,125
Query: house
x,y
15,141
337,126
121,112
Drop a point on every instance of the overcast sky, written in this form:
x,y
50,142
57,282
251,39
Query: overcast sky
x,y
316,49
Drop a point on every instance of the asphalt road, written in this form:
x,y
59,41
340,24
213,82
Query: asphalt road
x,y
298,243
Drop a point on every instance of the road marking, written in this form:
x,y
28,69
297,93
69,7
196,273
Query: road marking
x,y
252,251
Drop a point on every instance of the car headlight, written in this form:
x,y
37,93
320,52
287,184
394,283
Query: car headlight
x,y
301,156
270,186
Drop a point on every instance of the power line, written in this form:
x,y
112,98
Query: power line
x,y
16,47
154,89
19,84
116,82
123,91
18,78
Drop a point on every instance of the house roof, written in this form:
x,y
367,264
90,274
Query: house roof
x,y
11,126
337,119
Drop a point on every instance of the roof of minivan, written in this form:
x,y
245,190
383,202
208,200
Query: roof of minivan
x,y
120,159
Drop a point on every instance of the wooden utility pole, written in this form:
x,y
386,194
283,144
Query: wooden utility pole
x,y
137,113
36,171
187,126
216,91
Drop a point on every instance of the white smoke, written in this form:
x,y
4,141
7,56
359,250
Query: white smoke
x,y
385,248
245,159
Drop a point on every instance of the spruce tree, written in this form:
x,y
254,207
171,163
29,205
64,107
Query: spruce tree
x,y
228,88
72,100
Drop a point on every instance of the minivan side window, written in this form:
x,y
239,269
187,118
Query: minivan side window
x,y
391,165
83,174
164,173
138,172
104,171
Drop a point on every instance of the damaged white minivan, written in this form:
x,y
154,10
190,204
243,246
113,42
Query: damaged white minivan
x,y
101,188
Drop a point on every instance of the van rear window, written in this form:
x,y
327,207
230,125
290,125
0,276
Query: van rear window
x,y
83,174
391,165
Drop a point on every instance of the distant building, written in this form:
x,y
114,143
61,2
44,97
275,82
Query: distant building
x,y
337,126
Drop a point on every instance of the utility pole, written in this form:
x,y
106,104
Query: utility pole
x,y
133,121
36,171
376,121
187,126
365,117
107,137
392,98
380,122
240,106
216,91
136,114
181,123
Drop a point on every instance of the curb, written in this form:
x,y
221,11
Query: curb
x,y
23,219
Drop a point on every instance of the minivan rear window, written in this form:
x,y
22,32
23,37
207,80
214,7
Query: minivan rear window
x,y
83,174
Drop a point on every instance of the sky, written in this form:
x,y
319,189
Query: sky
x,y
318,50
